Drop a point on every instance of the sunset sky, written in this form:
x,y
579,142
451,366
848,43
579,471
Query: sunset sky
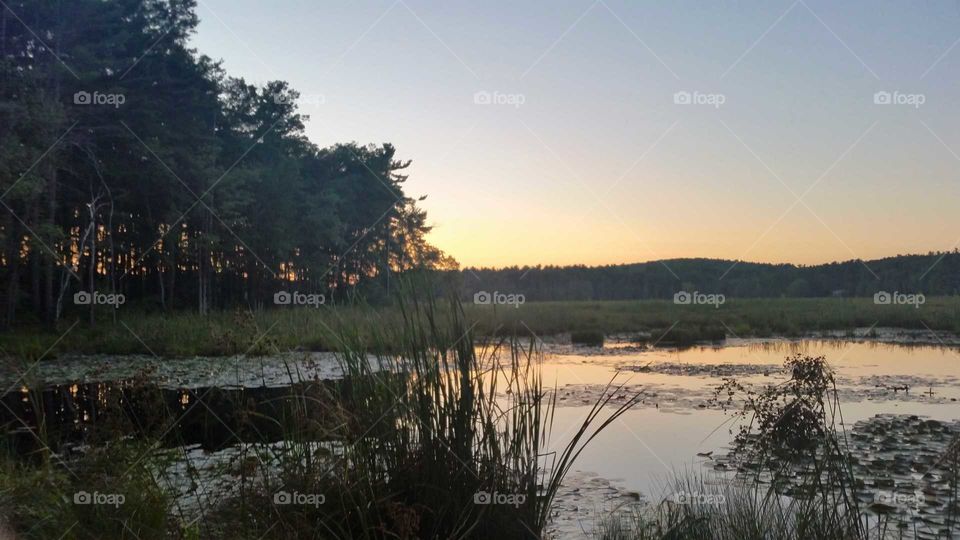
x,y
583,156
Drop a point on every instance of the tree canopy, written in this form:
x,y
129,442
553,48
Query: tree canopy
x,y
132,164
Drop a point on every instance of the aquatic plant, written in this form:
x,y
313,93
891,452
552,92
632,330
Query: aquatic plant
x,y
795,478
590,338
431,435
450,441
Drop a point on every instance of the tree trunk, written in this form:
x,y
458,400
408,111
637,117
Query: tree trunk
x,y
12,254
36,252
49,311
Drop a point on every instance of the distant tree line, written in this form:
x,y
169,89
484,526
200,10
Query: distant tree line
x,y
131,164
932,274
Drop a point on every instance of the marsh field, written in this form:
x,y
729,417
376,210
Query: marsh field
x,y
825,418
316,329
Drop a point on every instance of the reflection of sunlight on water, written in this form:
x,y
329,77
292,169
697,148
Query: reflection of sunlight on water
x,y
665,433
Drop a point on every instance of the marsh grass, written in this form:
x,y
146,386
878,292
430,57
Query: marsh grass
x,y
724,510
431,434
317,329
41,500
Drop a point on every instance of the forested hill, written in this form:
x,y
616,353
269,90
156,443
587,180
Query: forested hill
x,y
931,274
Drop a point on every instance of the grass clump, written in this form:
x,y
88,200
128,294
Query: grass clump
x,y
430,434
700,508
432,439
109,492
590,338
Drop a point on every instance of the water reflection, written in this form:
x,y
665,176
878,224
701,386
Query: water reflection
x,y
58,416
674,423
639,453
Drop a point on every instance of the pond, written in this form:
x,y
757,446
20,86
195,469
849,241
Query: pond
x,y
673,430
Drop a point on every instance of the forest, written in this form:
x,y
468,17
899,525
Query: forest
x,y
933,274
133,165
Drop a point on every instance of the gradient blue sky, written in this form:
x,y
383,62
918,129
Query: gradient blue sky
x,y
599,165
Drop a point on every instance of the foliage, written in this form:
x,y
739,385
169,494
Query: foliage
x,y
425,422
429,430
42,501
189,188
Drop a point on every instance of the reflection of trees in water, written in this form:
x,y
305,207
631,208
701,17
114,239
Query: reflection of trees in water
x,y
97,413
806,346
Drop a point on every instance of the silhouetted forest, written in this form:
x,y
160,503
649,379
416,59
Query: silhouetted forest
x,y
931,274
131,164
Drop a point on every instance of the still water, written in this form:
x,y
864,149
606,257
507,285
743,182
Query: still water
x,y
673,430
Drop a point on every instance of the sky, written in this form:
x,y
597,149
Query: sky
x,y
612,131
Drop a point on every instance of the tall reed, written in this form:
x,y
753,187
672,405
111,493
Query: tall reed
x,y
437,436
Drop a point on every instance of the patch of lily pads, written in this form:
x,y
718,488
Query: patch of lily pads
x,y
906,467
198,372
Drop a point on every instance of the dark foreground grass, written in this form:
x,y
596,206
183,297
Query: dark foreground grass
x,y
426,438
227,333
438,434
